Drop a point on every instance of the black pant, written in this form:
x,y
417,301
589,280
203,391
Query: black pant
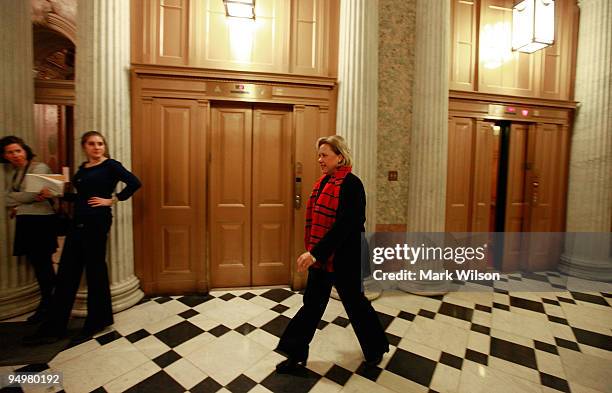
x,y
298,334
45,275
84,247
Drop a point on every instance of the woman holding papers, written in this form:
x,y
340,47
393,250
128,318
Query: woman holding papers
x,y
35,218
85,245
335,217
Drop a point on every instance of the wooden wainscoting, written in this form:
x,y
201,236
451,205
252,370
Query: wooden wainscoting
x,y
223,158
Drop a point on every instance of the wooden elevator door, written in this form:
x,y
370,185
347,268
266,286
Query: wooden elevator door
x,y
250,195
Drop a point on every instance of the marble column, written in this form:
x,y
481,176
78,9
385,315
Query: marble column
x,y
589,204
103,104
18,287
357,113
358,92
429,134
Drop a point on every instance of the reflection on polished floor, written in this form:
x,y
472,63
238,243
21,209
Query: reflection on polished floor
x,y
486,341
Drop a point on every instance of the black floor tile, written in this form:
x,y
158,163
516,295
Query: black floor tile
x,y
557,383
513,352
247,296
593,339
245,328
587,297
451,360
195,300
322,324
163,299
276,326
477,357
393,339
480,307
341,321
480,329
242,384
542,346
499,290
98,390
534,276
208,385
137,335
166,359
277,295
561,342
179,333
550,301
385,319
455,311
501,306
605,294
33,368
406,315
369,372
189,313
566,300
227,297
108,337
554,319
157,383
427,314
412,366
299,382
11,389
527,304
219,330
279,308
338,374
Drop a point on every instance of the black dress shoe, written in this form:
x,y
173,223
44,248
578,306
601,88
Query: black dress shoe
x,y
375,361
39,316
290,366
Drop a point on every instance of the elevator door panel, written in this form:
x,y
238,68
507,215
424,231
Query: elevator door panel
x,y
230,187
251,200
271,200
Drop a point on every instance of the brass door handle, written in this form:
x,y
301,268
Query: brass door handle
x,y
297,201
534,192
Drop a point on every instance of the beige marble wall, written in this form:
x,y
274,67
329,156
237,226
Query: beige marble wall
x,y
396,33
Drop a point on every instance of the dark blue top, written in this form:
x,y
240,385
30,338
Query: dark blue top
x,y
100,181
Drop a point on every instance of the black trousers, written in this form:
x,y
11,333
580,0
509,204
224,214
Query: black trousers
x,y
84,247
297,336
42,263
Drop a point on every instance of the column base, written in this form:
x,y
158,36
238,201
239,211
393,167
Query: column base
x,y
19,301
123,295
586,268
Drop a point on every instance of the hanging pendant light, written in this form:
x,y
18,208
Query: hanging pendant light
x,y
533,25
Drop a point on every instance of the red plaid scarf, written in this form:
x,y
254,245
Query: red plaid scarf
x,y
321,212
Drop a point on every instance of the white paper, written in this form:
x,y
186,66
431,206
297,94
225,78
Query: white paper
x,y
35,182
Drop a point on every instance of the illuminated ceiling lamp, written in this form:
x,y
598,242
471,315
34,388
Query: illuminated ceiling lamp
x,y
240,8
533,25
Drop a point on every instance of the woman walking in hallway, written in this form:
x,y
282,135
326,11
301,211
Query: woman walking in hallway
x,y
85,245
35,235
335,218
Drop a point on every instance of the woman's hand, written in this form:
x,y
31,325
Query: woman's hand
x,y
304,261
97,202
44,194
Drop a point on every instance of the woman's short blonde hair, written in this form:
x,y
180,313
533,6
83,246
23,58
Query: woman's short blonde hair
x,y
338,146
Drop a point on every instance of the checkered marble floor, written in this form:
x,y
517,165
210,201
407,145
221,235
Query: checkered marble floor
x,y
492,340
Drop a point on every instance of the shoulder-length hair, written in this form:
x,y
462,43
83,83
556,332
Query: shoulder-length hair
x,y
11,139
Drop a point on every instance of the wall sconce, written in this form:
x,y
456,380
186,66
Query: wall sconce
x,y
240,8
533,25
